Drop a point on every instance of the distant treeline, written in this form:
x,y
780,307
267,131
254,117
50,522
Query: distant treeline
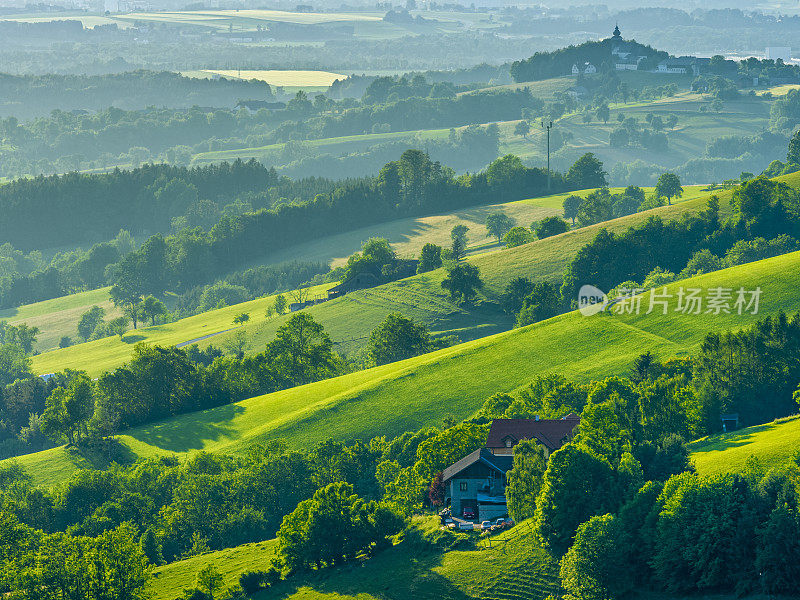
x,y
65,141
414,112
27,96
74,209
152,196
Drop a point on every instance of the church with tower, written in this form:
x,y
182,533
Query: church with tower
x,y
622,53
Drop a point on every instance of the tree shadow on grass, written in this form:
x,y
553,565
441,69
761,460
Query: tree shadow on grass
x,y
477,322
190,431
723,441
399,573
132,339
101,454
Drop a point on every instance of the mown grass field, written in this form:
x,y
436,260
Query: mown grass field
x,y
104,354
407,395
58,317
774,444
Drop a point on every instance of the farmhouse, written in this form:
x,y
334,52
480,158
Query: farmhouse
x,y
586,68
683,65
504,434
475,486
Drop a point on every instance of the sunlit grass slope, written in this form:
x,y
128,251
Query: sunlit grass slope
x,y
102,355
774,444
410,394
58,317
170,580
350,319
407,236
515,567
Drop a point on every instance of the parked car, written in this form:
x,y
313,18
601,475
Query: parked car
x,y
501,522
468,512
466,526
486,525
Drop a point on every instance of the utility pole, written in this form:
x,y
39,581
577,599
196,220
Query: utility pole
x,y
548,127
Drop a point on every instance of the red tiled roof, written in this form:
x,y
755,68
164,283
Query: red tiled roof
x,y
550,432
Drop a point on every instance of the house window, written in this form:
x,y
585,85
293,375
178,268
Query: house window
x,y
462,486
509,442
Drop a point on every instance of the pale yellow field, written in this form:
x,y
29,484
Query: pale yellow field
x,y
781,90
173,16
282,78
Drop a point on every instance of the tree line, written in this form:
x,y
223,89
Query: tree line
x,y
413,185
155,195
39,95
160,382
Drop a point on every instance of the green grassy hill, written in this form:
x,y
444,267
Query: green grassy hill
x,y
514,568
170,580
105,354
58,317
774,444
410,394
407,236
350,319
687,140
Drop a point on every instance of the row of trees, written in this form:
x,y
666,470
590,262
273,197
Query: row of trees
x,y
412,185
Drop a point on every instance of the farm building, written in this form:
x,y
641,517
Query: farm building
x,y
475,486
504,434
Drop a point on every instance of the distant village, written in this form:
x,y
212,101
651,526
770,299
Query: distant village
x,y
625,58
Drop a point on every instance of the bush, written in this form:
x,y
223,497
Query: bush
x,y
194,594
253,581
